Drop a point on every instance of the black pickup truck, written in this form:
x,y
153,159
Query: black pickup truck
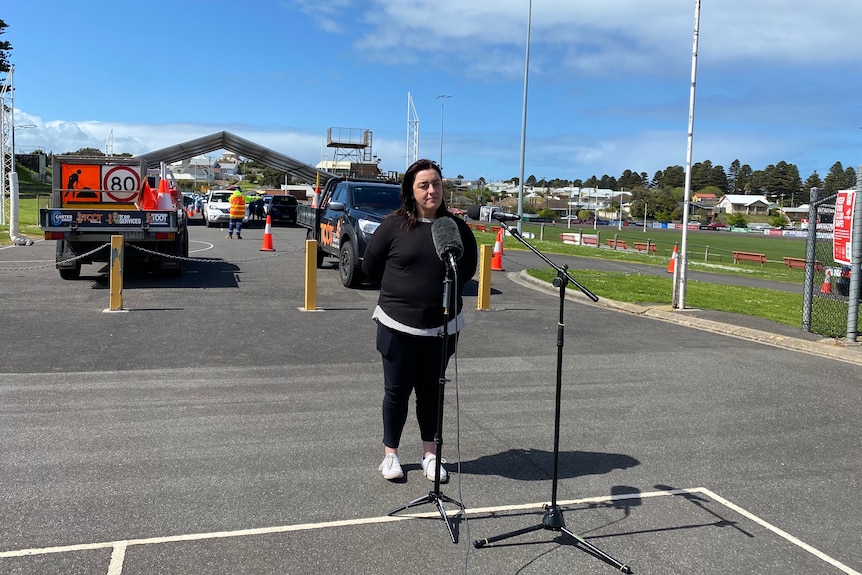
x,y
349,211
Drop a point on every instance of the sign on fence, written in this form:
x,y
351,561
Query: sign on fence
x,y
843,226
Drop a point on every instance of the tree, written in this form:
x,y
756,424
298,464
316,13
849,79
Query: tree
x,y
271,177
87,152
5,47
813,181
736,220
742,179
631,180
608,182
780,180
838,179
732,175
672,177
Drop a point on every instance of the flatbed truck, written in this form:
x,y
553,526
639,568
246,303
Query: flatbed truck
x,y
94,198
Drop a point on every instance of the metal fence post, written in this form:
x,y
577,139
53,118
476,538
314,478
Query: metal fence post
x,y
808,285
855,262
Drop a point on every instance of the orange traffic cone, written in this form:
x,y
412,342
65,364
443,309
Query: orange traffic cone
x,y
164,201
827,282
671,266
149,200
497,257
267,236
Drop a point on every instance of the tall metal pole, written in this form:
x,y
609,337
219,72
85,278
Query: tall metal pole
x,y
442,98
524,119
678,298
855,262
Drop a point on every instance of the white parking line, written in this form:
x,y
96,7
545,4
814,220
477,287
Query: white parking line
x,y
119,547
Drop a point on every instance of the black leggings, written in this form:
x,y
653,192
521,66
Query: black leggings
x,y
410,363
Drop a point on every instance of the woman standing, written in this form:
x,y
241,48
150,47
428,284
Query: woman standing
x,y
401,258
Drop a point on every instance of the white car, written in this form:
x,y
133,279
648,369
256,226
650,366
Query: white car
x,y
217,207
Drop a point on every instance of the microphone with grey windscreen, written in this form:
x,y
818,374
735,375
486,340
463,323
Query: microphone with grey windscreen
x,y
447,240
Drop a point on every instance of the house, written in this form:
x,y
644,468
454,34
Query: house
x,y
742,204
797,214
704,200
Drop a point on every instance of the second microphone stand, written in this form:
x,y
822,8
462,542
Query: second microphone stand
x,y
435,496
553,517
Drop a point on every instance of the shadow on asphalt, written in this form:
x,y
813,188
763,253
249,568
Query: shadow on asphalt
x,y
538,465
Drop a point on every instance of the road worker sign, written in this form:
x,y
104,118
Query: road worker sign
x,y
94,183
81,183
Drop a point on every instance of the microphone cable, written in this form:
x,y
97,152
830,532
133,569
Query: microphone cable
x,y
459,489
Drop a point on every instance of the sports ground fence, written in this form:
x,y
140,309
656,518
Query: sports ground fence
x,y
832,292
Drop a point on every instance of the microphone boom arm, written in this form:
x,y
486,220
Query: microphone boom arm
x,y
562,272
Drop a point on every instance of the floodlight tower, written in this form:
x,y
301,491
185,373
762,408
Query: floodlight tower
x,y
7,138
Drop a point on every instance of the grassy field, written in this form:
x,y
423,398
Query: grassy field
x,y
779,306
718,245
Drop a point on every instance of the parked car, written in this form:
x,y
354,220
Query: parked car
x,y
283,209
217,207
715,226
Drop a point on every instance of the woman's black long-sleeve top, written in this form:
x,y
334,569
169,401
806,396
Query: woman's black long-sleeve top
x,y
405,264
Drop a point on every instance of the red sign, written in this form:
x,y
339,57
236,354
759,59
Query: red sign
x,y
843,226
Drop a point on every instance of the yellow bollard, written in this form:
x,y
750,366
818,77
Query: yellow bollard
x,y
483,302
116,275
310,275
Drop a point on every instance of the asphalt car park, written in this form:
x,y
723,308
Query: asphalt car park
x,y
216,426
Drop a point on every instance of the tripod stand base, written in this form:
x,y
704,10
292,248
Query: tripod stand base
x,y
553,521
437,499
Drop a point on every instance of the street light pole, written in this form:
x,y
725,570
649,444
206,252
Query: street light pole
x,y
442,98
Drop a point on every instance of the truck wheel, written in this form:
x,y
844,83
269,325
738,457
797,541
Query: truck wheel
x,y
71,273
348,267
320,254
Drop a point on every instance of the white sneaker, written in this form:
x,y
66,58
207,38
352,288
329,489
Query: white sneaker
x,y
391,467
429,468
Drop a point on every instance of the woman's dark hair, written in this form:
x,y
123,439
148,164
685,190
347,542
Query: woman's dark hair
x,y
408,203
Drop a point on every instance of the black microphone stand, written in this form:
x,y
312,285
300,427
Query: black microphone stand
x,y
553,517
435,496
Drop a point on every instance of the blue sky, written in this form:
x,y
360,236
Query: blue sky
x,y
608,89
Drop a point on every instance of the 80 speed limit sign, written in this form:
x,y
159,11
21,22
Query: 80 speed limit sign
x,y
120,183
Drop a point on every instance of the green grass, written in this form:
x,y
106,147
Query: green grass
x,y
778,306
721,245
782,307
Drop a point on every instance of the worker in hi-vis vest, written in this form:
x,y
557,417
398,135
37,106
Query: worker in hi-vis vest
x,y
237,212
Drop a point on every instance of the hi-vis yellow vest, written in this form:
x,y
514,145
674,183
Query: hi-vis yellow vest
x,y
237,206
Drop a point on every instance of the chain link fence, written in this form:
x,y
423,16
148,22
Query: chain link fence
x,y
830,309
828,306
